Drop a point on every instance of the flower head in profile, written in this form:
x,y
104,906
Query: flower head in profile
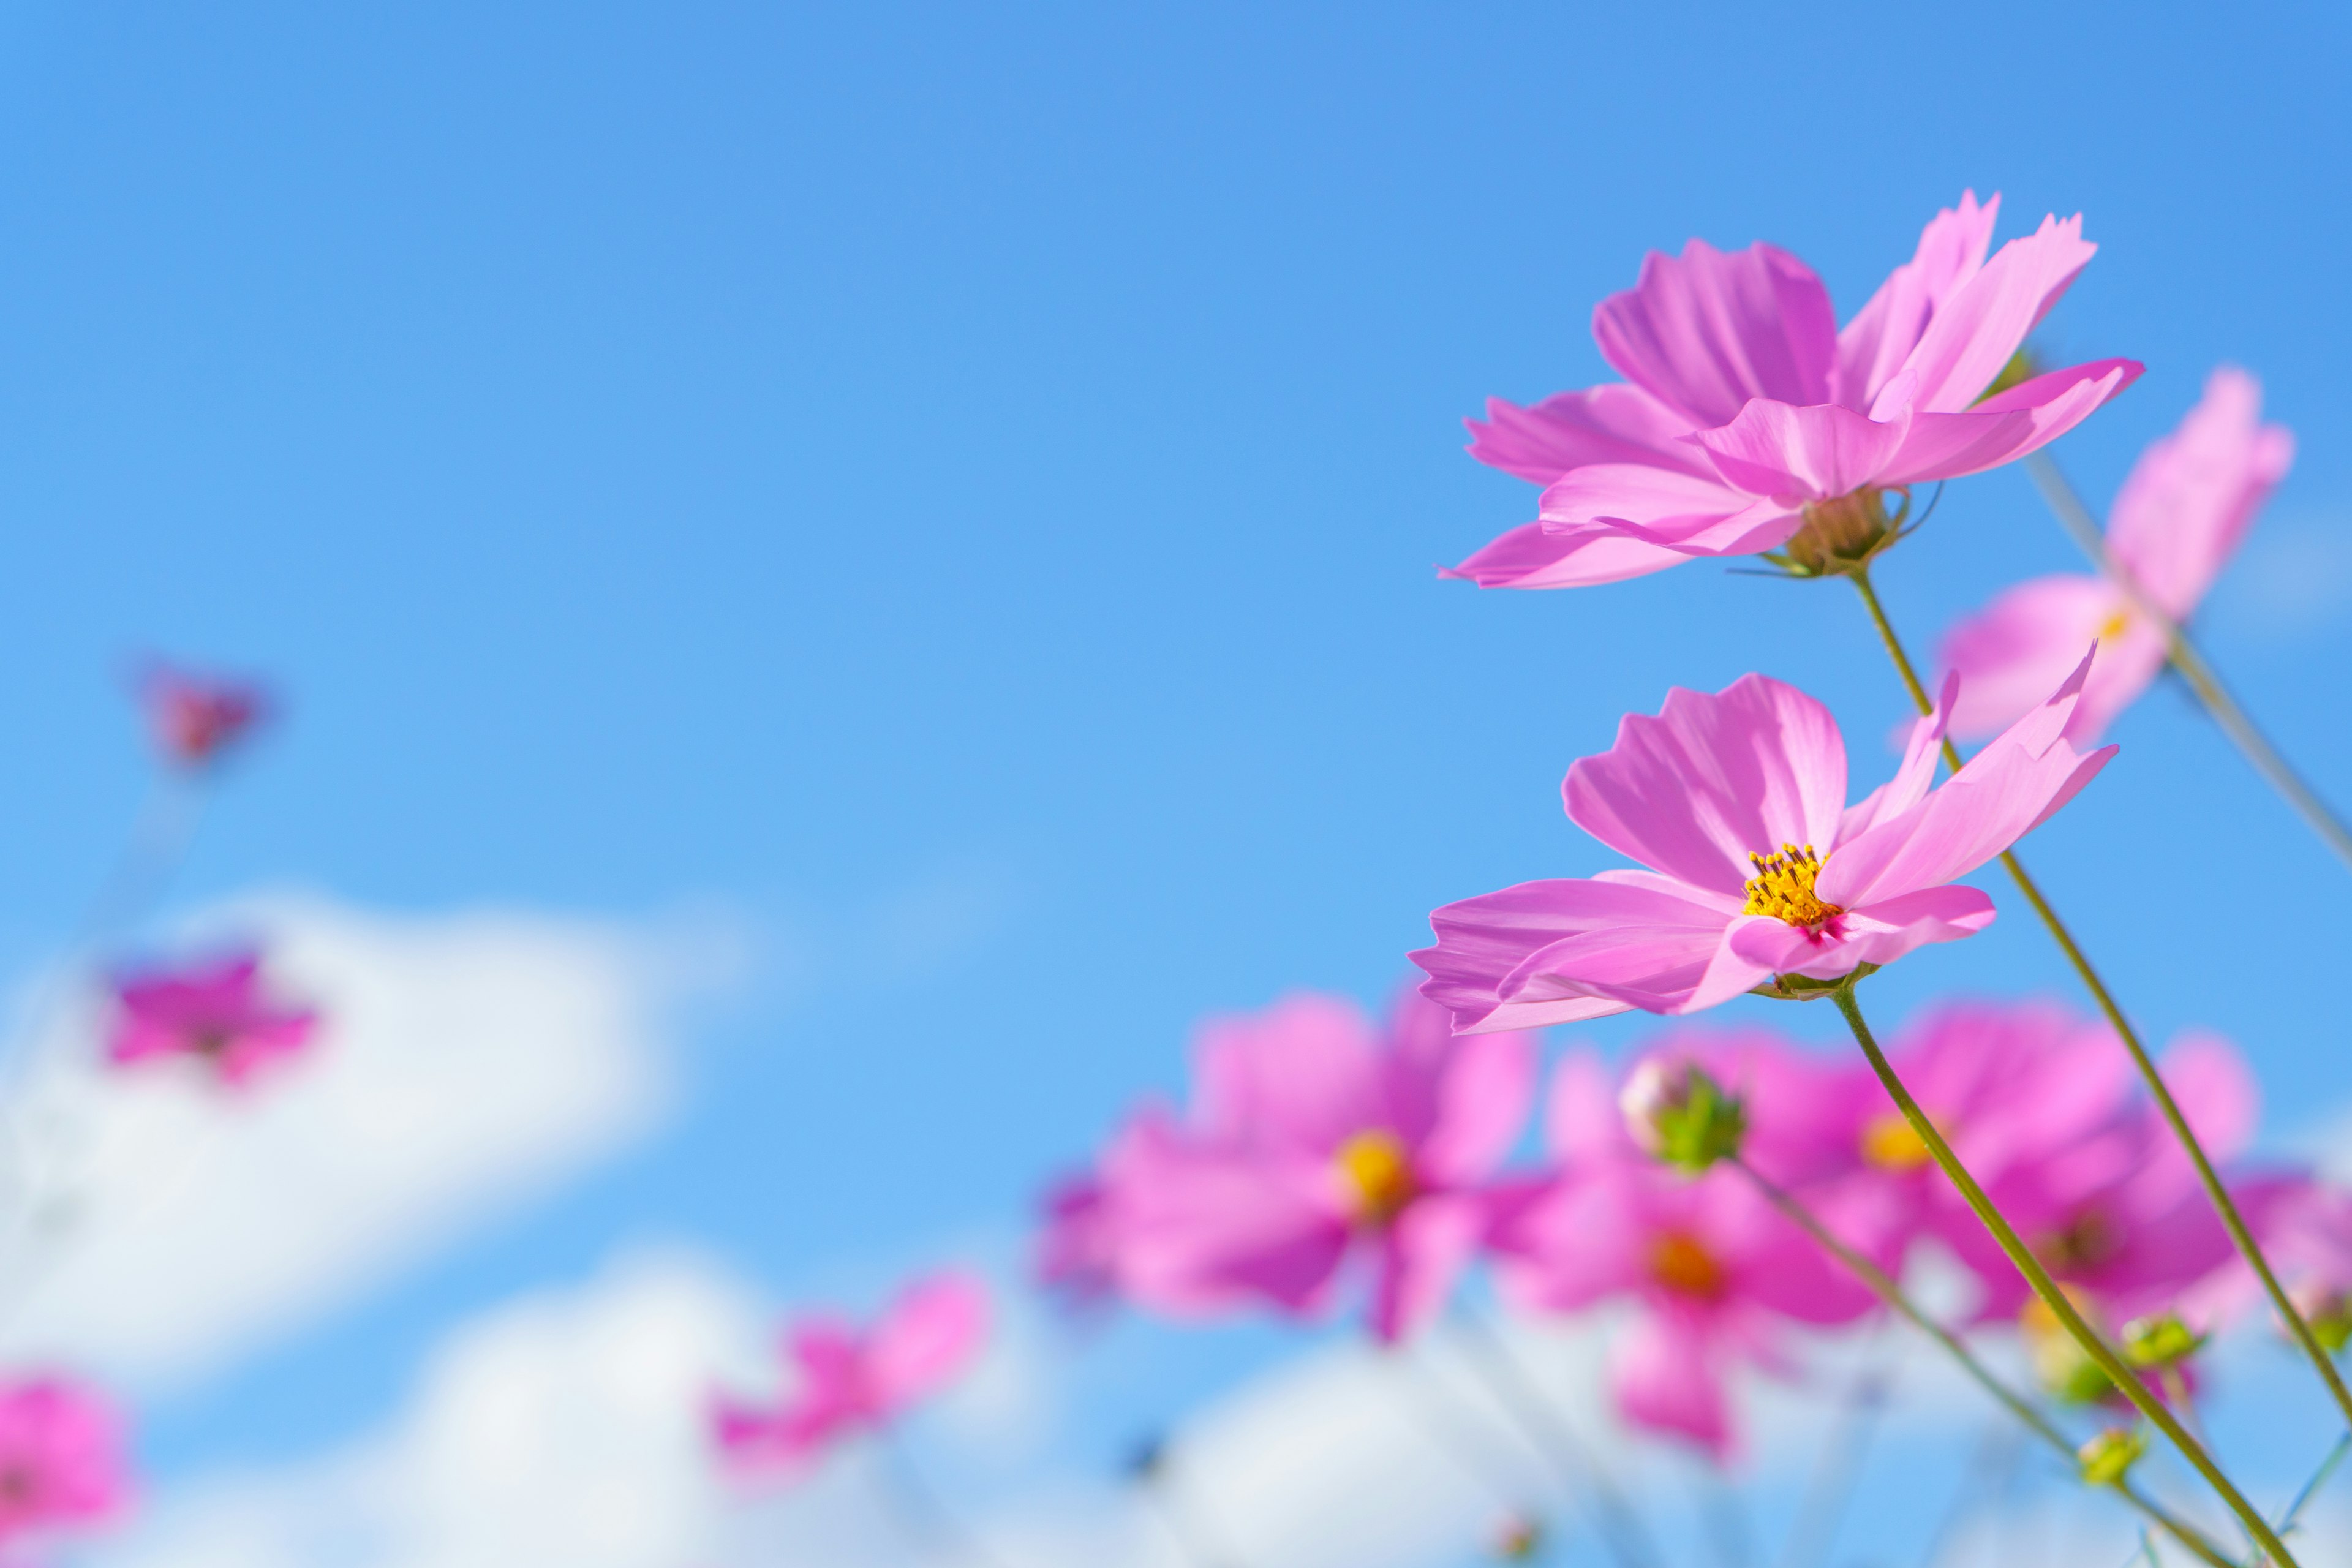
x,y
855,1378
220,1016
63,1458
197,719
1750,421
1319,1138
2180,515
1713,1275
1753,864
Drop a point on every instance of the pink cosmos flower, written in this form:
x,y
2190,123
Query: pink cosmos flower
x,y
853,1379
1714,1275
195,719
1318,1137
1745,412
2180,515
62,1458
219,1014
1735,804
1077,1257
2305,1227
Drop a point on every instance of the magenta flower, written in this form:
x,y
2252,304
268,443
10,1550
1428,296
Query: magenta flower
x,y
196,718
853,1379
219,1014
1319,1138
1714,1275
2180,515
62,1458
1756,866
1077,1257
1746,413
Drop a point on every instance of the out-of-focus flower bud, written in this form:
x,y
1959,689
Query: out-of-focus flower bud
x,y
2062,1367
1521,1538
2328,1311
2159,1341
2108,1457
197,719
1676,1111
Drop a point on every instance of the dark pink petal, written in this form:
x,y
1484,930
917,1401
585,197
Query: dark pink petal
x,y
1530,556
1714,779
1707,331
1872,346
1610,424
1419,1258
2192,495
926,1339
1946,446
1973,334
1815,453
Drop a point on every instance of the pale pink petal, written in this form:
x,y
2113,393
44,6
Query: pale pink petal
x,y
1815,453
2192,495
2012,654
2216,1091
1713,779
1668,502
1586,1236
1758,526
1419,1259
1872,346
1483,1096
1667,1377
1947,446
1917,775
1532,556
1974,334
1580,1115
1204,1230
926,1338
1303,1074
1707,331
1610,424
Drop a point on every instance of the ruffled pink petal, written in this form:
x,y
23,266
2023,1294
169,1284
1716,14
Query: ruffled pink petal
x,y
1303,1074
1946,446
1532,556
1420,1258
1973,334
1707,331
2021,647
1714,779
1610,424
1483,1095
1872,346
2192,495
926,1338
1482,941
1815,453
1666,1377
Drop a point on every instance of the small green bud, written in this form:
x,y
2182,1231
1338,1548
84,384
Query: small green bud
x,y
2159,1342
2328,1312
2107,1458
1676,1112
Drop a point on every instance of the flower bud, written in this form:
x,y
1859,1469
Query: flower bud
x,y
2159,1342
2107,1458
2062,1367
1675,1112
2328,1311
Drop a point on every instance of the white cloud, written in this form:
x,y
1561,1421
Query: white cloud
x,y
468,1063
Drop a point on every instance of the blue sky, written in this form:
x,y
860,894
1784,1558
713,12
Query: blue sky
x,y
958,488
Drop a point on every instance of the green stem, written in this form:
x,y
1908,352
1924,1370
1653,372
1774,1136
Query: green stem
x,y
2219,1196
2191,662
2060,1306
1882,1285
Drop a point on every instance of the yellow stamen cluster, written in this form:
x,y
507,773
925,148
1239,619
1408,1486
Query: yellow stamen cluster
x,y
1783,888
1889,1143
2115,625
1379,1175
1682,1264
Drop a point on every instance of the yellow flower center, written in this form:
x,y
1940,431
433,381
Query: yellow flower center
x,y
1889,1143
1682,1264
2115,625
1379,1175
1783,888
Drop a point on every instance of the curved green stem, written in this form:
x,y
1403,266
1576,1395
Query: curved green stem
x,y
1884,1286
2240,1233
2195,669
2061,1307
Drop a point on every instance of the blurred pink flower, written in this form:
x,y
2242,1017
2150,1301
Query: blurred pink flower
x,y
854,1380
1743,404
1317,1136
219,1014
2305,1228
2181,513
1725,798
195,718
62,1458
1077,1257
1715,1274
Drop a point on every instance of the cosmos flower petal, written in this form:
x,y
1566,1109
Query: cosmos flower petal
x,y
926,1338
1873,347
1483,1096
1534,556
2190,500
1610,424
1705,331
1420,1258
1973,334
1814,453
1665,1376
2025,418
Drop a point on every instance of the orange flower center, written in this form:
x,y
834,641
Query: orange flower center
x,y
1379,1175
1783,888
1682,1264
1889,1143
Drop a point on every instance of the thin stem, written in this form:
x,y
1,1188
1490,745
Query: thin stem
x,y
2240,1233
1506,1379
2190,661
1884,1286
2318,1478
2060,1306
